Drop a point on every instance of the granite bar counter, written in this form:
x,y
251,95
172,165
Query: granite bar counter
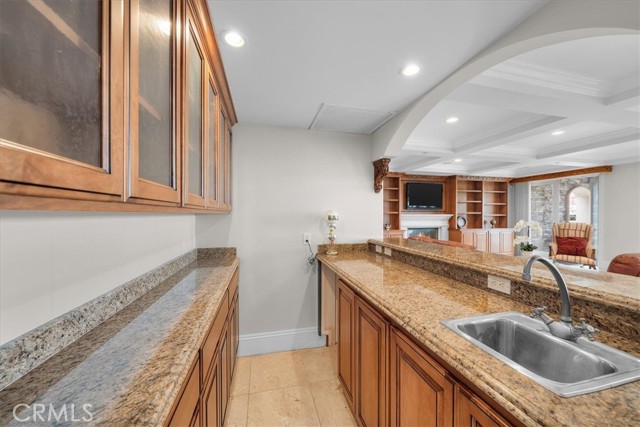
x,y
418,301
128,371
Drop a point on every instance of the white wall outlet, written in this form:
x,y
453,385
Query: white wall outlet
x,y
306,238
379,249
499,284
387,251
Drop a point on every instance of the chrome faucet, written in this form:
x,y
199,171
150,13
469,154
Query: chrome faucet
x,y
565,328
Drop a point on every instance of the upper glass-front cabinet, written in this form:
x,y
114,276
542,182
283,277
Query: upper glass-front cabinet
x,y
194,107
55,91
112,105
155,158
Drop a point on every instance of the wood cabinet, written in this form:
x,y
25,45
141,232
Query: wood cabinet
x,y
494,240
388,379
153,130
421,392
186,411
471,411
205,396
478,202
501,241
391,202
61,103
119,116
345,312
370,365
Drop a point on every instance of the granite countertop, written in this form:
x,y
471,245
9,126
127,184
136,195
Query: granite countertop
x,y
131,367
617,288
418,301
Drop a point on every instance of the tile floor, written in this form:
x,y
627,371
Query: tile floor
x,y
295,388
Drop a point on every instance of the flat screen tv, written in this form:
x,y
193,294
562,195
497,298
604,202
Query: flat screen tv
x,y
425,196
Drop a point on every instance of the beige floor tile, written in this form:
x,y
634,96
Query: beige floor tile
x,y
318,364
237,411
241,376
331,406
291,406
276,370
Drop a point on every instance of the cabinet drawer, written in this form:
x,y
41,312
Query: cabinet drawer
x,y
188,403
213,337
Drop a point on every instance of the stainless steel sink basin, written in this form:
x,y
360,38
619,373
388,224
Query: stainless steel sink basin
x,y
566,368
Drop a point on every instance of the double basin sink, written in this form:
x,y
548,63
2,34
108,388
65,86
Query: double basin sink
x,y
564,367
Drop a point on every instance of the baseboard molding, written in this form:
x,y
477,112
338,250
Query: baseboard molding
x,y
275,341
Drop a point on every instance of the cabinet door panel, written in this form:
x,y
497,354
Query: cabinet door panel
x,y
55,88
481,240
420,392
154,154
211,402
472,412
194,146
371,362
212,141
345,300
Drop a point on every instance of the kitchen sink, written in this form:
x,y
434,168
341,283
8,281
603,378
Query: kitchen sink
x,y
564,367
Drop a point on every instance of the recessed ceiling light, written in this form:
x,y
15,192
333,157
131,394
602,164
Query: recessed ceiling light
x,y
233,39
557,132
452,120
410,70
457,160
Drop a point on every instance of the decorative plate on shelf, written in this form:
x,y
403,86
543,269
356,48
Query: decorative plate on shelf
x,y
462,222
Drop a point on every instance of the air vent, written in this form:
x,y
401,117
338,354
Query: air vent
x,y
335,118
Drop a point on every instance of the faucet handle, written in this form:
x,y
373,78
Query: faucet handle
x,y
586,329
537,312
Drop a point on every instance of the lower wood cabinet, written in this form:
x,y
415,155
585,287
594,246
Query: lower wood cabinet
x,y
205,394
421,393
371,365
187,410
345,309
388,379
471,411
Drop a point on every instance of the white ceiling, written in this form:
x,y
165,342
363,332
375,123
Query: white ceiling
x,y
301,54
588,88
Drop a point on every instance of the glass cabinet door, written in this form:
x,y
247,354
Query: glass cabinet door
x,y
212,114
194,97
54,94
154,157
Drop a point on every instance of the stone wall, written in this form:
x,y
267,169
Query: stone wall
x,y
543,202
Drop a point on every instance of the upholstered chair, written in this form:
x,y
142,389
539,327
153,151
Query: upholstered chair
x,y
572,243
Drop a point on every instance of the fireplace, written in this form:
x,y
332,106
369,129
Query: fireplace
x,y
428,232
437,224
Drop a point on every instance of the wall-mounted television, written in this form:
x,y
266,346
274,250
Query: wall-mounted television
x,y
425,196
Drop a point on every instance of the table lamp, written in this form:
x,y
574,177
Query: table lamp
x,y
332,217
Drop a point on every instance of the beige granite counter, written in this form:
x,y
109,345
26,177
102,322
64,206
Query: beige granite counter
x,y
418,300
129,368
617,287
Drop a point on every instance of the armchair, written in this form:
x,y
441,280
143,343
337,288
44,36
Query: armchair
x,y
568,245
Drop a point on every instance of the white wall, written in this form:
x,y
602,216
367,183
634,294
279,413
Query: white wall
x,y
619,213
283,181
52,262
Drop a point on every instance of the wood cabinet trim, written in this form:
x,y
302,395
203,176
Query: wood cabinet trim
x,y
186,392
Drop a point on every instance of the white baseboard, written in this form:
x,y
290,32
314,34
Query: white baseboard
x,y
275,341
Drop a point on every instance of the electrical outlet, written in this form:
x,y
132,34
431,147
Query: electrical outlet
x,y
387,251
306,238
379,249
499,284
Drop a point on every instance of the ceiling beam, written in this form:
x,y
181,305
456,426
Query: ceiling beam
x,y
592,142
625,99
574,172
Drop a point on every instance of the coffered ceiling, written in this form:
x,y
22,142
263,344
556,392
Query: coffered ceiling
x,y
571,105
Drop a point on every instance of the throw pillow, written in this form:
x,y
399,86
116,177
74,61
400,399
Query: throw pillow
x,y
572,246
